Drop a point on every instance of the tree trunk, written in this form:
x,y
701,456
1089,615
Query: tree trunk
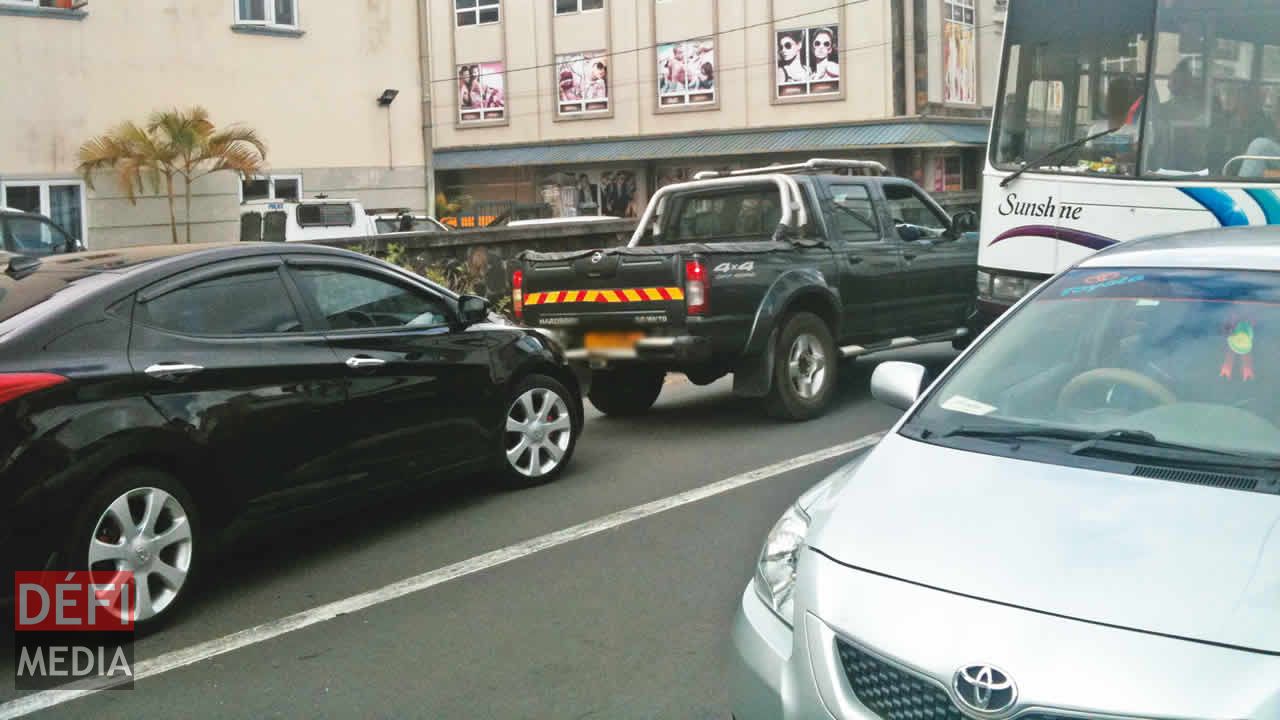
x,y
188,181
173,218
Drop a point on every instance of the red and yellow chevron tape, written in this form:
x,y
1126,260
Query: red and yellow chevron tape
x,y
623,295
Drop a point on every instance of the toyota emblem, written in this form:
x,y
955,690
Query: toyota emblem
x,y
985,689
597,257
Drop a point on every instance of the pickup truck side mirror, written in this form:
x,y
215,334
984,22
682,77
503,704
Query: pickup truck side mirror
x,y
963,222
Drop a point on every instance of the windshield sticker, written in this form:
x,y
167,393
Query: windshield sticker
x,y
968,406
1101,281
1239,344
1147,302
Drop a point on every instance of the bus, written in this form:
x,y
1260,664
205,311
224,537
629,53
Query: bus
x,y
1117,119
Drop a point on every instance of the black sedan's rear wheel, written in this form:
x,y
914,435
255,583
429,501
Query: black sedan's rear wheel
x,y
540,434
626,391
144,522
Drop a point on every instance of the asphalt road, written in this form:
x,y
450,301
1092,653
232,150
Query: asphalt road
x,y
631,622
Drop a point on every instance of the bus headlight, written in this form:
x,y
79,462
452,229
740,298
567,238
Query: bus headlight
x,y
1010,288
984,283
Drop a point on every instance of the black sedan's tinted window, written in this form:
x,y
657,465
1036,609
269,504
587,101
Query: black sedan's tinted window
x,y
250,303
350,300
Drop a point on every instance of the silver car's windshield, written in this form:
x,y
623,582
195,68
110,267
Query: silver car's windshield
x,y
1188,356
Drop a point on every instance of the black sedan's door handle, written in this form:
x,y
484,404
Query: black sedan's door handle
x,y
856,259
360,362
172,370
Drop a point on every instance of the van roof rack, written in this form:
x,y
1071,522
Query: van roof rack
x,y
864,167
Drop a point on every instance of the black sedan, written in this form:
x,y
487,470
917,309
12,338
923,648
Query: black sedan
x,y
153,399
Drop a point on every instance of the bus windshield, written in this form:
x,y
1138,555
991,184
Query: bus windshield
x,y
1198,98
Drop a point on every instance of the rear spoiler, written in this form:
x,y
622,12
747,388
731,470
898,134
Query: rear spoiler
x,y
794,214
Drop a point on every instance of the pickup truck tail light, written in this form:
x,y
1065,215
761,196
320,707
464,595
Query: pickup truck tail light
x,y
517,294
15,385
697,288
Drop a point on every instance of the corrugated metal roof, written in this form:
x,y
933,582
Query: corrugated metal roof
x,y
828,138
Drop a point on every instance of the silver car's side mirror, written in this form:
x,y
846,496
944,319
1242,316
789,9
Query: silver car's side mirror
x,y
897,384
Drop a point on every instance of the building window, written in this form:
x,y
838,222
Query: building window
x,y
687,73
808,61
62,201
480,92
959,53
583,82
568,7
276,13
273,187
477,12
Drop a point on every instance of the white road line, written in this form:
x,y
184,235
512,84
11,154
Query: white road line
x,y
261,633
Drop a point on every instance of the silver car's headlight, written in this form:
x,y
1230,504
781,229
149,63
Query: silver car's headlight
x,y
775,579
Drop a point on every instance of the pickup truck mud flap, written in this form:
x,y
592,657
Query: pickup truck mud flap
x,y
753,376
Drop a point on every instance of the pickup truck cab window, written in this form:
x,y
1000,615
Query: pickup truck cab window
x,y
908,207
853,213
724,216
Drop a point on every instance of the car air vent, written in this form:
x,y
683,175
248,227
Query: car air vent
x,y
1230,482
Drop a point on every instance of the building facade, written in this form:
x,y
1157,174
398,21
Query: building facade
x,y
572,107
305,74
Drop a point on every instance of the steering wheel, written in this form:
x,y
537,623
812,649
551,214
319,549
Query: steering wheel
x,y
1080,384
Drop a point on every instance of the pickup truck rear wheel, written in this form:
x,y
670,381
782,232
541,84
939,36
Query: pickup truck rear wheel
x,y
625,390
804,369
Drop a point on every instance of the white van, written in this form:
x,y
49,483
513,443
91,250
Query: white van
x,y
304,220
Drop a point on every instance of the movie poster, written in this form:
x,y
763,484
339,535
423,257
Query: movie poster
x,y
582,80
480,92
959,53
687,73
808,61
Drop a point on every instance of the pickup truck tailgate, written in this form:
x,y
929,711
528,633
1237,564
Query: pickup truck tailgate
x,y
610,289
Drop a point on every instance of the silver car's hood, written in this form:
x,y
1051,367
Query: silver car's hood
x,y
1152,555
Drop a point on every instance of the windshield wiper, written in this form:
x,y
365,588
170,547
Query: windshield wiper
x,y
1040,161
1143,445
1016,433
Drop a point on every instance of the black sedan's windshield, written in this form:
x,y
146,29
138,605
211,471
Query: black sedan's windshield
x,y
1188,357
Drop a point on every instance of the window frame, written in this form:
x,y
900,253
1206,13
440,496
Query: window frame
x,y
297,264
480,6
224,269
45,188
269,19
925,200
271,185
555,9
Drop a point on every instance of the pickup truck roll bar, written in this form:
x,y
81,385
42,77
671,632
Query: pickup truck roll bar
x,y
794,213
866,167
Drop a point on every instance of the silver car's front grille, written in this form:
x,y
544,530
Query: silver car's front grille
x,y
895,694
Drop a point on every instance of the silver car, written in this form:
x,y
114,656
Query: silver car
x,y
1079,519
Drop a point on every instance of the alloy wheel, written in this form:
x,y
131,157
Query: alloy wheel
x,y
147,532
539,430
807,366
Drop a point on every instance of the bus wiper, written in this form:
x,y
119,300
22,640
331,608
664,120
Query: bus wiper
x,y
1040,161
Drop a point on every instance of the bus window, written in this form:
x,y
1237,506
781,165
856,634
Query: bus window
x,y
1079,76
1216,90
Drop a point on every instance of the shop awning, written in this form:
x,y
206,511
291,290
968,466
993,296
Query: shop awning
x,y
827,138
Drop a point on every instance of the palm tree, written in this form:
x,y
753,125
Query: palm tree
x,y
174,143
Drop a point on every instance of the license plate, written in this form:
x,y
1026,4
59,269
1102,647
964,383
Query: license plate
x,y
611,340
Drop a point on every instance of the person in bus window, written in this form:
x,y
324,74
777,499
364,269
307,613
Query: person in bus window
x,y
1245,122
1182,124
1120,144
1264,146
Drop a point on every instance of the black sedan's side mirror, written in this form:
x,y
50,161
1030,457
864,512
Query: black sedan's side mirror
x,y
473,310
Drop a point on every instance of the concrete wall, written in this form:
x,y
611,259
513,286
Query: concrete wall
x,y
311,97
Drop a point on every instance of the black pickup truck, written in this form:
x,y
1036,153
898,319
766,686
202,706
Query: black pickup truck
x,y
772,275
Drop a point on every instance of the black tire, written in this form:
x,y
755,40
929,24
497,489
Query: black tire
x,y
626,391
137,482
519,471
786,401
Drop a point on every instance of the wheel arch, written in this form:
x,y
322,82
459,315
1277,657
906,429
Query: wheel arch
x,y
802,290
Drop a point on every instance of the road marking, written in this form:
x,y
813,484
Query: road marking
x,y
176,659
